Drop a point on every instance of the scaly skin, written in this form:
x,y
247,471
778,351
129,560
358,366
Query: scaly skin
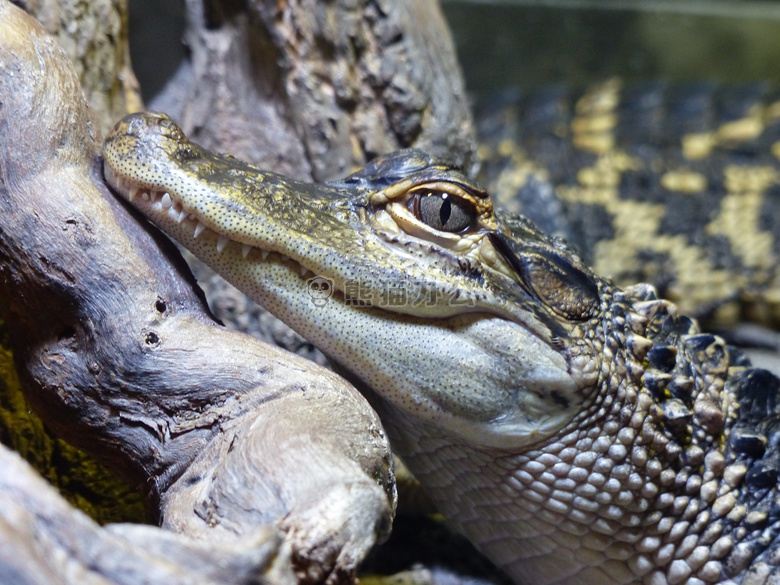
x,y
575,432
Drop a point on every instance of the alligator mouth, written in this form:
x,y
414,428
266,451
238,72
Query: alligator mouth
x,y
167,207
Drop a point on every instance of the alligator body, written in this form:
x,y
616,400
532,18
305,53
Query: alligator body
x,y
576,432
678,186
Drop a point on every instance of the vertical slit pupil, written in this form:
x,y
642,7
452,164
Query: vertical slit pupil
x,y
445,211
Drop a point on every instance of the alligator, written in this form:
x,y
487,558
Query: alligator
x,y
574,431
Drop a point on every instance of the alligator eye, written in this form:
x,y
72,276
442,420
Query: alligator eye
x,y
443,211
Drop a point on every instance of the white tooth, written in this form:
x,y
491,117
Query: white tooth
x,y
221,243
145,196
199,229
182,215
264,254
173,214
153,195
245,250
166,201
131,193
303,270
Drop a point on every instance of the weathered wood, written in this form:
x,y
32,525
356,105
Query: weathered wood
x,y
117,351
84,482
314,89
307,88
43,541
94,34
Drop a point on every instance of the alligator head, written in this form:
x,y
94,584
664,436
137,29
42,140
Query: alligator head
x,y
403,254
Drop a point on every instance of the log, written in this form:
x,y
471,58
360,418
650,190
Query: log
x,y
43,541
95,37
117,352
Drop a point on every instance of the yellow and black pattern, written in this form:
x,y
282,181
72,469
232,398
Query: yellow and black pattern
x,y
677,186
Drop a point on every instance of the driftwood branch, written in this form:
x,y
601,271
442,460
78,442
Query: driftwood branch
x,y
236,444
314,89
45,541
120,356
94,35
